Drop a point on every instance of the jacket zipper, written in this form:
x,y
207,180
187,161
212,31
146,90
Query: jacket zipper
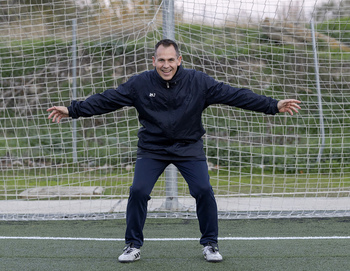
x,y
171,118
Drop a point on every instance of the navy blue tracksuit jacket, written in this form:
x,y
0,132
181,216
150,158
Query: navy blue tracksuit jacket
x,y
170,111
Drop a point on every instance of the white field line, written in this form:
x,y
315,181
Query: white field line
x,y
173,239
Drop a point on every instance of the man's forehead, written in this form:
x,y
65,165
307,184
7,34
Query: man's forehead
x,y
168,51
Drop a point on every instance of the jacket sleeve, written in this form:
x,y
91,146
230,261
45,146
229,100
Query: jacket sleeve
x,y
220,93
101,103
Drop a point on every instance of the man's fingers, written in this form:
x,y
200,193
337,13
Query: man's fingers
x,y
54,117
296,105
57,118
290,106
51,115
293,101
57,113
295,108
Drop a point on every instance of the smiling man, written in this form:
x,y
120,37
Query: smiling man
x,y
170,101
166,59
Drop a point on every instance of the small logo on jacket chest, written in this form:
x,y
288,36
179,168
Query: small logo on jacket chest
x,y
152,94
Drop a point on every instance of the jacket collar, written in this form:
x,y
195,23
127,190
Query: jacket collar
x,y
173,81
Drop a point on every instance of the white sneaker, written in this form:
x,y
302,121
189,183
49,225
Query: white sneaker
x,y
211,253
130,254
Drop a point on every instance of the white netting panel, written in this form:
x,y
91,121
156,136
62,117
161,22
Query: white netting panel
x,y
271,166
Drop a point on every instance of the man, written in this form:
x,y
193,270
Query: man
x,y
170,101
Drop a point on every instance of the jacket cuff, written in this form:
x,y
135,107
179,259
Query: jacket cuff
x,y
275,107
71,110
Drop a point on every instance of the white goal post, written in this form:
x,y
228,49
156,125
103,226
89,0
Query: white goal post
x,y
260,165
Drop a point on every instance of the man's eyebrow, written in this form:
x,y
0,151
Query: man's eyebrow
x,y
169,59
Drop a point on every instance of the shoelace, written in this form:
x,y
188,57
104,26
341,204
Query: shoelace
x,y
213,247
128,249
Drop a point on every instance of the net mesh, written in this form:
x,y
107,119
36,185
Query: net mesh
x,y
260,166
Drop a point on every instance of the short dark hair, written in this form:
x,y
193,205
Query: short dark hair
x,y
167,43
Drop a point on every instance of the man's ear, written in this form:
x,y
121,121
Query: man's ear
x,y
180,60
153,61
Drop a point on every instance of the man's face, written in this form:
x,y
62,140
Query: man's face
x,y
166,62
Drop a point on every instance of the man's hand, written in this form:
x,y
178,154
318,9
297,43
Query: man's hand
x,y
288,105
58,113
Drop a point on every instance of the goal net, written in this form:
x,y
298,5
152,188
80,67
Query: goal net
x,y
52,52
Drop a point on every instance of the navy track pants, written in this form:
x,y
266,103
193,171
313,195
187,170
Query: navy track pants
x,y
147,172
